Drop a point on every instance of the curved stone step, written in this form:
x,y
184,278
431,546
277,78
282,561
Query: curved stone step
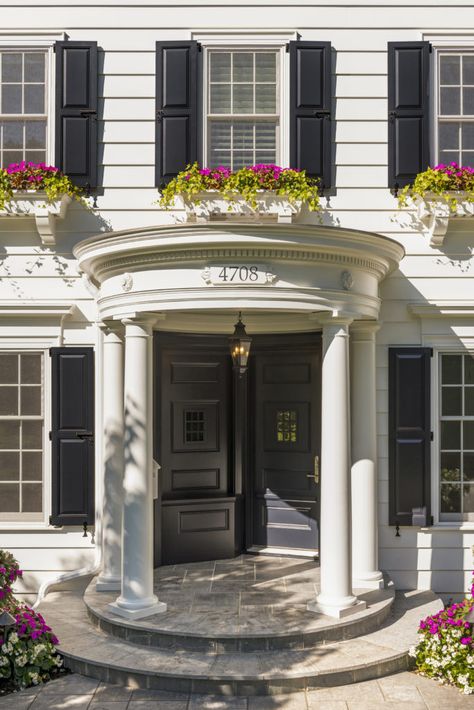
x,y
294,627
90,651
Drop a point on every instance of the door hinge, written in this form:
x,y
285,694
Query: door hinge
x,y
430,46
287,47
431,436
50,435
431,520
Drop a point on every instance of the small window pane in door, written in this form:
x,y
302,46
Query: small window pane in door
x,y
287,426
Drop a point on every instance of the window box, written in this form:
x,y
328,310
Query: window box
x,y
212,205
46,214
437,211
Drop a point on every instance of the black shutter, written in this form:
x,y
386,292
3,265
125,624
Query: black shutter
x,y
409,433
310,109
176,108
408,111
76,111
72,436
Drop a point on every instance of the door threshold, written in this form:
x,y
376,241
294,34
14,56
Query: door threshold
x,y
283,552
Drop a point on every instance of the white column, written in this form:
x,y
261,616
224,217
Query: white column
x,y
112,434
137,599
365,572
335,597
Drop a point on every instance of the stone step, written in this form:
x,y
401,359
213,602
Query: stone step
x,y
295,627
91,652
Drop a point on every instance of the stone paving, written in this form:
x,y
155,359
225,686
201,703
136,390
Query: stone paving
x,y
403,691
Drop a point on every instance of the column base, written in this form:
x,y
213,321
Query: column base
x,y
108,584
337,611
137,612
372,581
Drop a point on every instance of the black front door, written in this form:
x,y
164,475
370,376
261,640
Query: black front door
x,y
284,463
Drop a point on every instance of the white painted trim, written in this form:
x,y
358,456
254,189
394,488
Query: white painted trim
x,y
31,38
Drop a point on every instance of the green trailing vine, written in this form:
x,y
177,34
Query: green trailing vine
x,y
442,181
246,182
39,177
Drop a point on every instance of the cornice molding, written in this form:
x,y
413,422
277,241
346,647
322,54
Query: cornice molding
x,y
442,309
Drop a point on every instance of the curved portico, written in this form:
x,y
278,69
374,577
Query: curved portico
x,y
285,279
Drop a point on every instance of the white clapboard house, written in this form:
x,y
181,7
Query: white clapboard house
x,y
127,438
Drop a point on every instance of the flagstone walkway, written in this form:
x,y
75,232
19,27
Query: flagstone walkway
x,y
403,691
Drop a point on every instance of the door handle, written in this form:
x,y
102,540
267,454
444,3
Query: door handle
x,y
315,474
86,435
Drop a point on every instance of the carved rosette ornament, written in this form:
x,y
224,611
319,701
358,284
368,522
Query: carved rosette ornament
x,y
347,280
127,282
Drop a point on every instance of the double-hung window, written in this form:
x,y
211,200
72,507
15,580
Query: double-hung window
x,y
243,107
455,107
23,106
21,435
456,437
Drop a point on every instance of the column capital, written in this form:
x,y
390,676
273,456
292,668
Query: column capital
x,y
364,329
111,328
336,318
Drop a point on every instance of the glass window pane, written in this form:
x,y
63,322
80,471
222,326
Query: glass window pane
x,y
34,66
220,135
32,435
9,497
11,156
243,66
449,136
242,160
452,401
450,435
220,158
265,66
32,498
35,156
243,98
468,435
30,400
220,98
32,466
451,369
11,66
468,101
265,98
9,434
220,66
468,467
13,135
450,101
8,368
34,98
450,466
449,157
11,98
449,69
469,369
35,134
31,369
8,401
9,466
468,69
450,498
468,498
468,142
243,136
469,401
467,158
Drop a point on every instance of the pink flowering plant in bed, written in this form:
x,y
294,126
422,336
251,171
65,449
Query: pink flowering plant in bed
x,y
442,181
37,177
445,650
28,653
247,182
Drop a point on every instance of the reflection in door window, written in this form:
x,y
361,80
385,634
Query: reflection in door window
x,y
286,425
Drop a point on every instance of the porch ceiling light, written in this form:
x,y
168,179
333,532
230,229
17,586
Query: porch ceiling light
x,y
239,343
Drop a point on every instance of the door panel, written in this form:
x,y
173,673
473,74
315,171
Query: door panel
x,y
286,396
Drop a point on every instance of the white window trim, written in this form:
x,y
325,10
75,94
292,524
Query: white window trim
x,y
22,41
251,39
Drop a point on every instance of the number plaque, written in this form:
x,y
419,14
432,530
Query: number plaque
x,y
248,274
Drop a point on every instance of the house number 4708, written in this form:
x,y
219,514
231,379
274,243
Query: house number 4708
x,y
239,273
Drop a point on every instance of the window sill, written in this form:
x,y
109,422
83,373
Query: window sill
x,y
435,212
36,204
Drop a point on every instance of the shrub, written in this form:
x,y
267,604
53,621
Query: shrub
x,y
38,177
28,654
446,648
294,184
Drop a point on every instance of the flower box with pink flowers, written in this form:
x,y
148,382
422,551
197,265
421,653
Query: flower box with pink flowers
x,y
38,191
255,193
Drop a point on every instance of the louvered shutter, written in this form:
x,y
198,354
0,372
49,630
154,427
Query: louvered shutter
x,y
72,436
76,111
408,111
409,433
176,108
310,109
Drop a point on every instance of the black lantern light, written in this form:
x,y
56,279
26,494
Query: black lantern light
x,y
239,343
